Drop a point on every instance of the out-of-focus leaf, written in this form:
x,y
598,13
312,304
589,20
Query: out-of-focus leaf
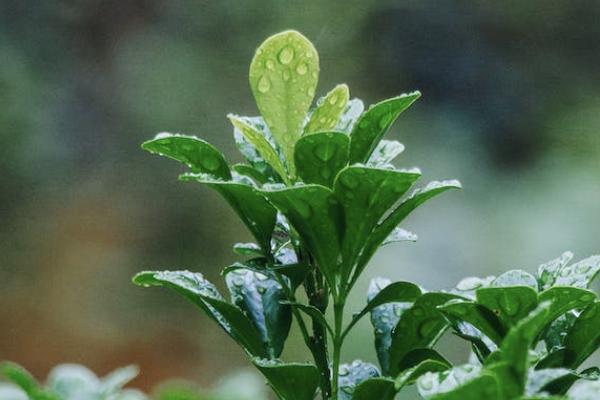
x,y
581,274
252,208
510,304
350,115
9,391
72,381
410,375
328,111
383,229
375,388
290,381
515,277
202,293
556,380
584,390
374,123
366,195
259,296
313,312
261,144
583,338
199,155
283,78
385,152
117,379
24,380
320,156
419,327
433,384
353,374
478,316
548,271
400,235
563,299
317,216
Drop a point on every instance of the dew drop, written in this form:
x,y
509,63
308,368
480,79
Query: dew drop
x,y
427,327
286,55
323,153
286,75
349,181
333,99
302,69
270,64
210,163
311,91
264,84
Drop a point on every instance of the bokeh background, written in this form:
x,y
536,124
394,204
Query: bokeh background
x,y
511,107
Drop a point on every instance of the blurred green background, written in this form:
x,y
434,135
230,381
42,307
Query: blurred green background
x,y
511,107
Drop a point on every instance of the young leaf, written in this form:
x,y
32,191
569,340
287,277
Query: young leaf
x,y
581,274
320,156
374,123
283,78
366,195
384,228
252,208
419,327
260,296
548,271
352,375
261,144
510,304
384,318
24,380
472,313
563,299
350,115
583,339
315,213
199,155
329,109
290,381
203,294
379,388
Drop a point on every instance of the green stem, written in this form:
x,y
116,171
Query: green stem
x,y
338,315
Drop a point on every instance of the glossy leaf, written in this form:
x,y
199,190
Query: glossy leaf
x,y
410,375
515,277
385,152
350,115
583,339
476,315
283,78
419,327
433,384
379,388
199,155
260,143
250,152
252,208
374,123
313,312
320,156
384,228
352,375
290,381
400,235
315,213
563,299
259,296
203,294
367,194
327,114
548,271
248,171
510,304
581,274
248,249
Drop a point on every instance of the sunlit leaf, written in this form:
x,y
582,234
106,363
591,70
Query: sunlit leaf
x,y
350,115
328,111
385,152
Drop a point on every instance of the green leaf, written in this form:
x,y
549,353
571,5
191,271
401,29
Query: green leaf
x,y
563,299
329,109
581,274
556,380
366,195
461,382
250,152
548,271
554,335
248,249
419,327
283,78
409,376
417,356
374,123
375,388
252,208
250,172
317,216
294,272
384,228
400,235
259,296
320,156
203,294
478,316
352,375
583,339
350,115
384,318
261,144
198,155
313,312
510,304
24,380
384,153
515,277
290,381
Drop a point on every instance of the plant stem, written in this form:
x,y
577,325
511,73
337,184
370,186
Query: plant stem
x,y
338,315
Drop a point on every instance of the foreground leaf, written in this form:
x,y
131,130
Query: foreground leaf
x,y
290,381
283,78
320,156
384,153
583,339
510,304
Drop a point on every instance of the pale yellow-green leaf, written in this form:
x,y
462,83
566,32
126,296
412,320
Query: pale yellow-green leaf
x,y
328,111
283,77
261,144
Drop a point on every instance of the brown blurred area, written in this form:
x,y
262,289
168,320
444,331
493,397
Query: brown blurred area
x,y
511,107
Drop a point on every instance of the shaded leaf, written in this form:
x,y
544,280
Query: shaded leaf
x,y
350,115
329,108
203,294
199,155
478,316
313,312
283,78
320,156
510,304
385,152
296,272
400,235
352,375
548,271
259,296
375,388
583,338
290,381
